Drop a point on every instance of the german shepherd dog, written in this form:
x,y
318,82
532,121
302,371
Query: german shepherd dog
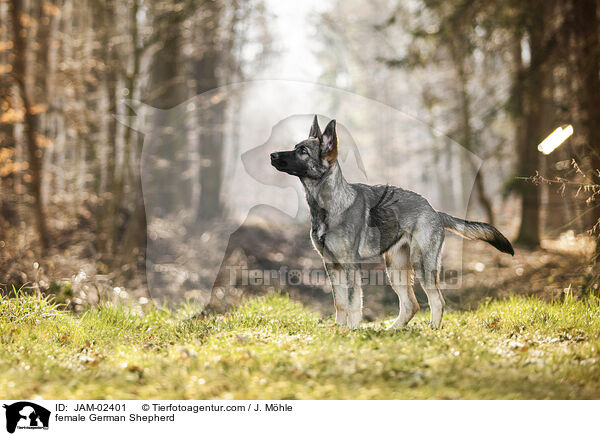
x,y
353,222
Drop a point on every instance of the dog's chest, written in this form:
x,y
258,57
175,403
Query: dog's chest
x,y
318,227
329,238
321,231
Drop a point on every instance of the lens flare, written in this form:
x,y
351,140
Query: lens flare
x,y
555,139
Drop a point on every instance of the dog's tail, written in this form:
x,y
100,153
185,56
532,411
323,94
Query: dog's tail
x,y
477,230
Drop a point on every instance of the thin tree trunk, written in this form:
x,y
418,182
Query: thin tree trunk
x,y
135,227
211,139
483,198
112,196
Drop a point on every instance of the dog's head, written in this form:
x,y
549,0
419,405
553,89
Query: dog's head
x,y
312,157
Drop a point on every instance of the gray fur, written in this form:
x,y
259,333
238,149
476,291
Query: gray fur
x,y
354,222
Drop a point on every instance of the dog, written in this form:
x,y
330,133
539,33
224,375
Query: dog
x,y
353,222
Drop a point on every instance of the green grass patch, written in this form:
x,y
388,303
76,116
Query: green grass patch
x,y
274,348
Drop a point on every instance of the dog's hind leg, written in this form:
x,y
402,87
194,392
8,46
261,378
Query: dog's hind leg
x,y
427,265
401,276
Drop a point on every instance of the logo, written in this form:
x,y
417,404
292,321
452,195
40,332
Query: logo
x,y
26,415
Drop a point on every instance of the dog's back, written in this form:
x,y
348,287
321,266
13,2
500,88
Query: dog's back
x,y
390,214
395,212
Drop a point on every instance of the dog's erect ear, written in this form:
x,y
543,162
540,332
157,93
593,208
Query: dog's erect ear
x,y
329,143
315,130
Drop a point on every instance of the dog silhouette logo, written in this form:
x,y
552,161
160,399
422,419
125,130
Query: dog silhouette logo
x,y
26,415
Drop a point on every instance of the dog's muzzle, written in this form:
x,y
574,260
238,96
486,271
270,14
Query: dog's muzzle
x,y
276,160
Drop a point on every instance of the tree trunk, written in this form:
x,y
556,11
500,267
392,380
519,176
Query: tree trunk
x,y
8,212
585,23
134,233
532,89
211,139
34,152
7,150
167,89
458,56
110,200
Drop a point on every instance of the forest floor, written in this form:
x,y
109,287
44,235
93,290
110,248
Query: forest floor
x,y
274,348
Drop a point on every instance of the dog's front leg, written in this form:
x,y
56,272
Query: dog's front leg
x,y
354,292
337,277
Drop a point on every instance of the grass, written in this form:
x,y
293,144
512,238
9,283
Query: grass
x,y
274,348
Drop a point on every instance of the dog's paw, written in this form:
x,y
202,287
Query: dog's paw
x,y
397,325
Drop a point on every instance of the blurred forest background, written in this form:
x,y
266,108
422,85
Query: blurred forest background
x,y
496,77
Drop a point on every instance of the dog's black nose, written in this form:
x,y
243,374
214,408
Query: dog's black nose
x,y
274,156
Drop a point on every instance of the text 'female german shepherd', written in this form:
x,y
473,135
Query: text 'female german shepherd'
x,y
352,222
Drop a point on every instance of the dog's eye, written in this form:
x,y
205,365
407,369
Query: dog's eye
x,y
302,150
